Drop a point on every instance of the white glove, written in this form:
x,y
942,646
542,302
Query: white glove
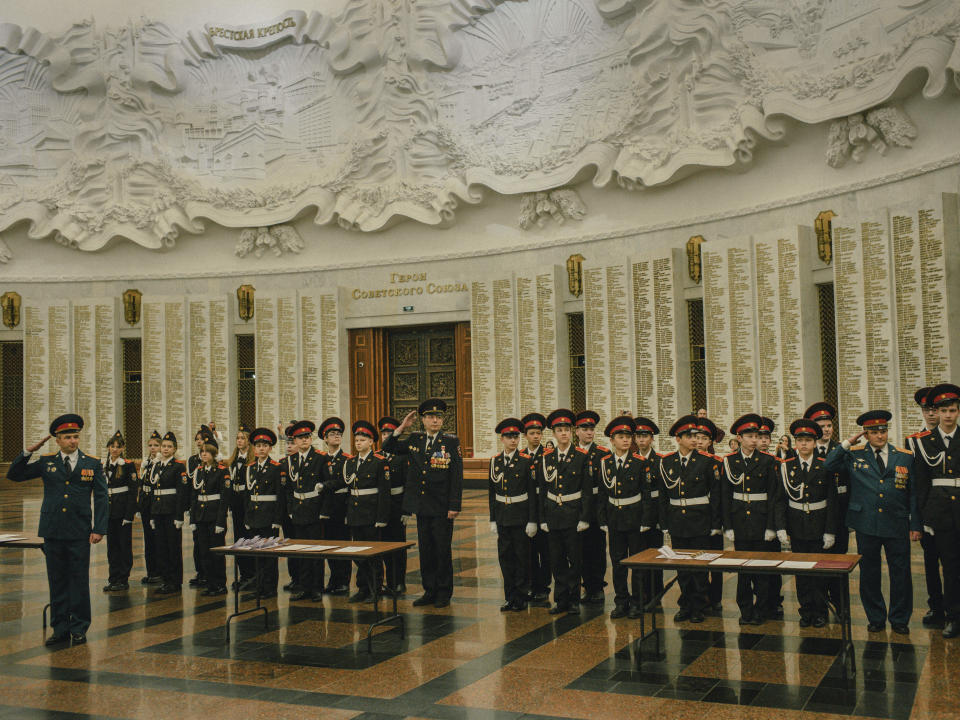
x,y
666,537
604,528
275,526
178,524
191,527
217,530
828,541
782,536
643,528
126,522
531,529
769,535
153,524
581,526
248,527
493,528
928,530
543,526
729,534
715,531
404,519
379,525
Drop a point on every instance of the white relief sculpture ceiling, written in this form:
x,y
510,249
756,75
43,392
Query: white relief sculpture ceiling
x,y
396,109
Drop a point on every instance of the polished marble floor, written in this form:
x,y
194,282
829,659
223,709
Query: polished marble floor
x,y
163,657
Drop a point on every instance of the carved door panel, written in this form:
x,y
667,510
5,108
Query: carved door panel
x,y
423,364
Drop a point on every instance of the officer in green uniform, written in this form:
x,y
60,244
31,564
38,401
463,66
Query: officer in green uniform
x,y
67,526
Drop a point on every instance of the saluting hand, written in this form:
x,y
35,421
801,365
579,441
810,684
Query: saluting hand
x,y
407,422
36,446
853,439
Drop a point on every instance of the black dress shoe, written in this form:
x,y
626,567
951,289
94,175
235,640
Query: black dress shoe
x,y
424,599
507,606
805,621
78,639
574,609
55,640
316,597
682,615
518,606
152,580
359,596
934,619
168,589
289,587
441,602
593,598
300,595
337,590
820,621
696,616
540,597
876,627
900,629
756,619
195,581
112,587
635,612
618,611
951,629
558,609
211,592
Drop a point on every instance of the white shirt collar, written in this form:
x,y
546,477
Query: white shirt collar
x,y
883,452
361,458
685,457
509,456
944,435
747,456
626,454
72,457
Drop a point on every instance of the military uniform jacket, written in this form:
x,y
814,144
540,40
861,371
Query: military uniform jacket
x,y
397,465
367,483
122,485
65,512
211,495
750,487
262,492
938,479
144,488
881,503
841,481
566,488
170,489
689,496
334,501
434,476
806,506
238,484
512,497
624,502
304,487
595,455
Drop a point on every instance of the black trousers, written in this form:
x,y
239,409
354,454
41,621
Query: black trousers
x,y
775,598
434,537
566,561
693,584
652,579
293,564
369,572
119,550
811,590
540,563
336,528
68,576
513,551
623,544
897,551
213,566
197,560
395,564
715,582
169,550
948,545
310,571
753,591
931,571
594,558
269,570
246,565
149,545
835,585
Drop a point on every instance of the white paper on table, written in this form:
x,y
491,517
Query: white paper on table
x,y
798,564
729,561
318,548
353,548
668,553
291,547
707,556
762,563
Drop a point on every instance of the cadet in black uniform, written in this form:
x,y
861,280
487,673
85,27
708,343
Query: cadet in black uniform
x,y
751,478
203,435
171,495
689,510
304,500
938,484
626,511
237,465
931,556
366,477
775,608
208,511
395,564
533,425
707,434
593,538
264,483
122,484
70,479
566,497
334,503
644,430
286,524
513,513
806,507
144,501
433,493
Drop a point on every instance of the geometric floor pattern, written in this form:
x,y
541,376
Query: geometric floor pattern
x,y
163,657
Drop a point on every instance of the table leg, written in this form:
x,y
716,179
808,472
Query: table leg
x,y
237,612
849,622
385,620
45,608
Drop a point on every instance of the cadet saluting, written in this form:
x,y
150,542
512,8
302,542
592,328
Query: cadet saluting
x,y
69,479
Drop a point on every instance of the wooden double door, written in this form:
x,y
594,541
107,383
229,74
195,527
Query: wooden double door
x,y
393,370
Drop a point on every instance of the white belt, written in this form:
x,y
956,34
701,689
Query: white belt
x,y
841,489
561,499
807,506
750,497
596,490
655,493
683,502
208,498
620,502
115,490
397,490
363,491
508,499
946,482
167,491
341,490
263,498
307,495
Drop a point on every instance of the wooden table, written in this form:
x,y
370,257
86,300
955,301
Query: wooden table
x,y
827,565
375,551
28,542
